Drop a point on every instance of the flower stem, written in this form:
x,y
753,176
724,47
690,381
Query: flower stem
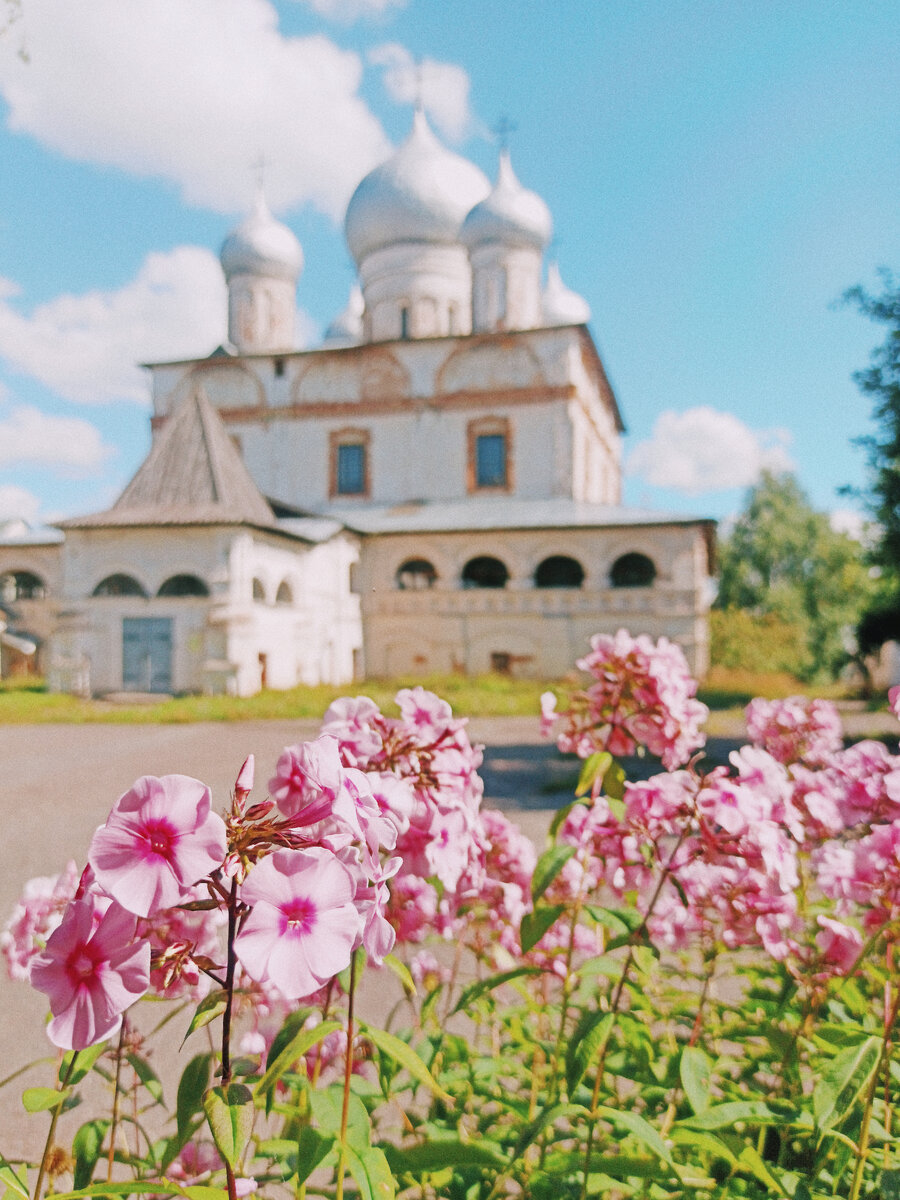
x,y
48,1145
114,1116
348,1072
230,965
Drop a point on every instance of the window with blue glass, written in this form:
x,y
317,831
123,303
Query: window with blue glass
x,y
490,460
351,469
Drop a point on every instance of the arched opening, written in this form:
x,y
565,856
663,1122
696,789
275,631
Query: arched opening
x,y
119,585
22,585
484,572
632,570
284,595
183,585
559,571
259,592
416,575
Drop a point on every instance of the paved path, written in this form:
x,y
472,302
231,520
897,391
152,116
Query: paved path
x,y
58,782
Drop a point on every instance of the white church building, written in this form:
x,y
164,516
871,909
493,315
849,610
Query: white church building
x,y
437,487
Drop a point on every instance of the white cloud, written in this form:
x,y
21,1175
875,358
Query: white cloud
x,y
854,523
705,450
347,11
444,87
28,435
86,348
18,502
194,93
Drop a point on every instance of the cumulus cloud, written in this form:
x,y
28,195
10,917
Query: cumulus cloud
x,y
28,435
705,450
87,347
194,93
444,87
347,11
18,502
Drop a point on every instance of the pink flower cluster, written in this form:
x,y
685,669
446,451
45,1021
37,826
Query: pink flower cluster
x,y
642,694
795,729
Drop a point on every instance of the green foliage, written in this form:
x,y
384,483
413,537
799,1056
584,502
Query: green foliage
x,y
800,585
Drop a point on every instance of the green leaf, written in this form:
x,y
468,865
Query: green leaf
x,y
373,1176
560,815
296,1048
85,1061
443,1152
147,1076
843,1081
548,867
535,924
204,1191
614,783
638,1128
889,1185
312,1150
534,1128
591,1032
696,1071
208,1009
87,1146
10,1178
229,1111
619,921
191,1090
707,1142
723,1116
42,1099
402,971
475,990
594,767
291,1026
404,1054
327,1105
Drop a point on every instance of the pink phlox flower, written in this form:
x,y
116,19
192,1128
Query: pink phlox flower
x,y
662,804
303,924
816,799
352,720
160,838
859,776
425,712
840,944
308,787
36,914
730,806
894,700
795,729
549,714
427,972
91,971
379,832
671,924
180,936
412,907
395,799
377,935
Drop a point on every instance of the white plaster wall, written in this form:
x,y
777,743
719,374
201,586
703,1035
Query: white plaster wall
x,y
433,282
543,629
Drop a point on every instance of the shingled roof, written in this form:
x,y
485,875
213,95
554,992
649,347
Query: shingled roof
x,y
193,475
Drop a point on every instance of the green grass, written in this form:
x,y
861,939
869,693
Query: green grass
x,y
26,701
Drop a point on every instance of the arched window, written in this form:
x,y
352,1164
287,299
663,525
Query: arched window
x,y
183,585
484,572
416,575
559,571
632,570
22,585
119,585
284,595
259,592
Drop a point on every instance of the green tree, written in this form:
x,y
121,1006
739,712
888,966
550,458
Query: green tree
x,y
881,381
806,584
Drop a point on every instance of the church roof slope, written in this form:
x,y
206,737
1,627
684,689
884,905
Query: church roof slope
x,y
193,475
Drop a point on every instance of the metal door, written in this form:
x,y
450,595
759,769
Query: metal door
x,y
147,654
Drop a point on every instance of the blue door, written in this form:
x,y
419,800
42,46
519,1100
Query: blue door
x,y
147,654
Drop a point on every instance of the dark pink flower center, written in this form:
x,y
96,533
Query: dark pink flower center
x,y
81,966
299,914
159,837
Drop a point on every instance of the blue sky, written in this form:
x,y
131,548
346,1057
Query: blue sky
x,y
718,174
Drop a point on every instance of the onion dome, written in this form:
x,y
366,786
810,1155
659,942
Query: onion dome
x,y
422,193
511,214
261,246
562,306
347,327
